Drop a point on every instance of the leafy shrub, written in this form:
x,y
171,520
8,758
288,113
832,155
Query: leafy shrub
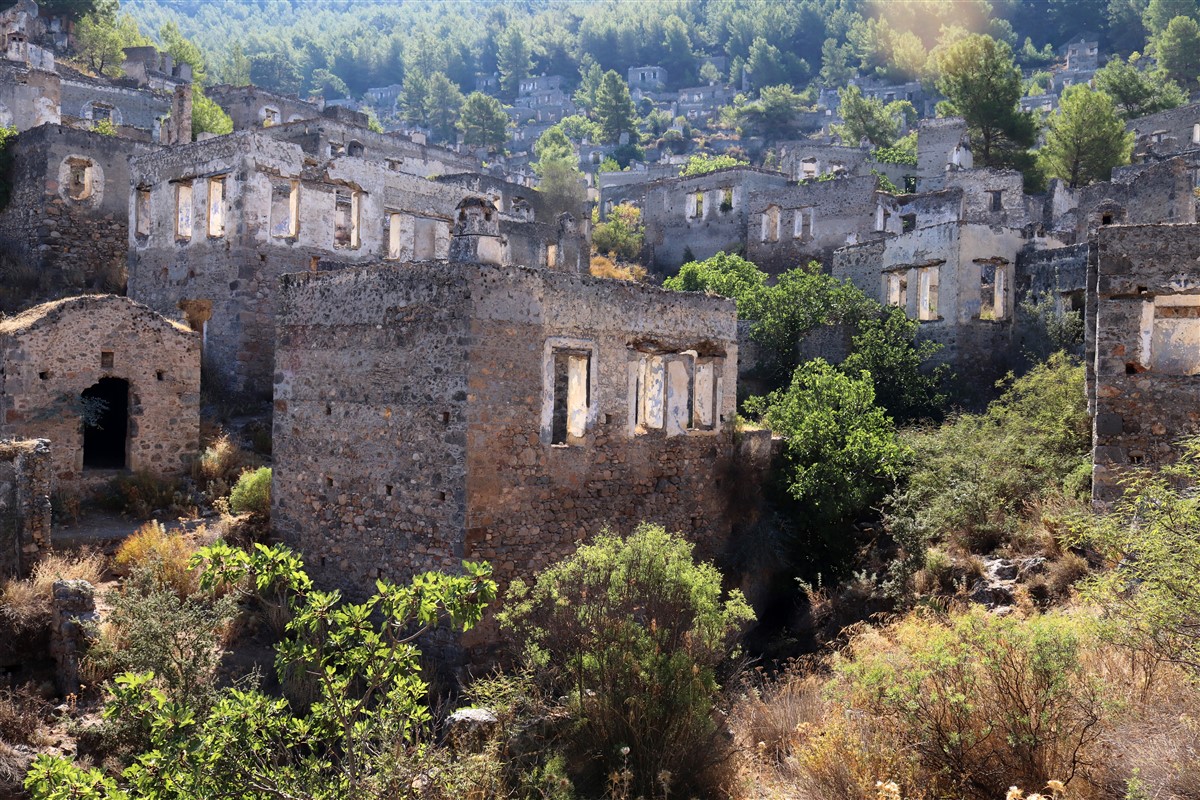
x,y
633,630
622,234
162,556
219,466
982,702
252,493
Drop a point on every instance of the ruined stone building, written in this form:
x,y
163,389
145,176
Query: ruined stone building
x,y
216,223
26,484
431,412
252,108
112,385
64,225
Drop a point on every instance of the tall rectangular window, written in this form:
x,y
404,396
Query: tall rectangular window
x,y
345,218
394,240
216,206
650,406
770,224
897,289
803,226
704,403
572,395
183,210
927,301
285,209
993,291
141,212
996,200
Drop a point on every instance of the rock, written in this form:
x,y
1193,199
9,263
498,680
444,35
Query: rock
x,y
468,729
1001,569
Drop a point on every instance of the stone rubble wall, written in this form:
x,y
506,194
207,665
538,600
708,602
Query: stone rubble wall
x,y
74,620
26,481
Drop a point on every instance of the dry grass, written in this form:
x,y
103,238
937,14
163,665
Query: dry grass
x,y
769,711
604,267
219,466
85,565
163,556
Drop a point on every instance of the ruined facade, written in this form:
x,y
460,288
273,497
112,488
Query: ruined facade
x,y
427,413
217,222
65,226
25,488
253,108
112,385
1147,339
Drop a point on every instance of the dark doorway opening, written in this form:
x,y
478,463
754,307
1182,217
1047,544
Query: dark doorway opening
x,y
106,424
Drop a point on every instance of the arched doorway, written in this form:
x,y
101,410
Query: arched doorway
x,y
106,424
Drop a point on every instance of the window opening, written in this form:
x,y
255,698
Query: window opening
x,y
141,211
285,209
106,430
79,179
727,199
572,395
897,289
183,210
908,223
345,218
927,307
996,202
216,206
770,224
355,149
651,391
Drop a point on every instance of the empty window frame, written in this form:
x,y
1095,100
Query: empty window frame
x,y
183,210
808,168
79,178
897,288
216,206
706,394
141,211
571,394
355,149
102,112
395,235
285,209
908,223
803,225
270,116
927,299
993,290
345,218
696,206
995,200
1171,334
770,224
650,391
337,149
727,199
1196,133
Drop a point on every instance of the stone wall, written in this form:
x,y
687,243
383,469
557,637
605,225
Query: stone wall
x,y
65,228
25,488
1138,195
248,106
941,144
73,623
1147,376
415,417
29,97
138,109
990,196
54,353
1167,132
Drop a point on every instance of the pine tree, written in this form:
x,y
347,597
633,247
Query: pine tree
x,y
483,122
443,104
1085,138
614,108
514,63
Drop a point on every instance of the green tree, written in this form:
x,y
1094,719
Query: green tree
x,y
1137,93
276,71
633,632
207,116
621,234
1085,138
327,85
443,104
102,36
885,346
1159,13
773,115
367,717
614,109
559,180
1178,50
869,118
724,274
483,122
841,454
514,62
836,70
983,86
677,56
414,99
236,69
579,128
184,50
702,164
590,76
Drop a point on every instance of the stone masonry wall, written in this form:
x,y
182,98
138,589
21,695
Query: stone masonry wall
x,y
58,244
50,354
1145,384
25,488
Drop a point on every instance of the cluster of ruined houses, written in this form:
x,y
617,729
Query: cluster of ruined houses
x,y
445,378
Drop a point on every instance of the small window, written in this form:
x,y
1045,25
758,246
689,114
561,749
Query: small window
x,y
727,199
102,112
337,149
697,210
803,225
650,405
1196,133
572,395
993,291
141,212
216,206
1106,219
355,149
770,224
270,116
394,235
996,201
927,306
897,289
285,209
345,218
106,359
79,178
908,223
183,210
704,390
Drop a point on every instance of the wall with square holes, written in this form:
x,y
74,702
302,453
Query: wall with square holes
x,y
54,355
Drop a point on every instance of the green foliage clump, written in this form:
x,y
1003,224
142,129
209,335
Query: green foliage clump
x,y
724,274
622,234
483,122
971,477
633,631
364,734
207,116
1138,92
871,119
842,454
1151,538
902,151
252,493
701,164
1085,138
980,702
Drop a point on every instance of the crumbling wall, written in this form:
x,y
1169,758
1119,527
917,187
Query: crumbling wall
x,y
1167,132
52,353
251,107
415,417
74,622
990,196
25,488
132,109
65,228
942,144
1138,195
29,97
1146,379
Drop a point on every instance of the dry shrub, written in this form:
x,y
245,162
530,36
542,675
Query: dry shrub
x,y
846,758
1064,573
768,711
20,722
219,466
23,609
162,556
84,565
604,267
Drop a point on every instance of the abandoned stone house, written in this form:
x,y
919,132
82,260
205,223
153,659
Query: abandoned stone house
x,y
251,108
64,227
215,223
112,385
431,412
